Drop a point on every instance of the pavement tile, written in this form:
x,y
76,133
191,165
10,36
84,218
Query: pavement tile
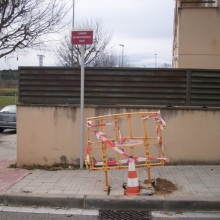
x,y
55,191
30,188
117,192
57,211
171,215
46,186
10,209
90,212
70,192
26,209
42,210
214,190
215,214
207,215
41,191
211,184
74,212
201,189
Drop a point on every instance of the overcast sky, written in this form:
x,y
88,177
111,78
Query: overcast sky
x,y
144,27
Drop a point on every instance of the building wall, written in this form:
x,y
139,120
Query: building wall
x,y
198,37
48,134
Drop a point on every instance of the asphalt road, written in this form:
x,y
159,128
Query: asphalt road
x,y
8,144
36,216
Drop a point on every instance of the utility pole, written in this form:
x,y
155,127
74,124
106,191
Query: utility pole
x,y
155,60
40,57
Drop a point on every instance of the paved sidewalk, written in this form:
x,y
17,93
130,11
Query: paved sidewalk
x,y
198,186
198,190
8,176
201,181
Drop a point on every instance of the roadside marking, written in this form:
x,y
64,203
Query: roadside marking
x,y
43,210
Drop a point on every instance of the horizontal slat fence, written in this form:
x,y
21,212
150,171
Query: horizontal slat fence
x,y
205,88
132,86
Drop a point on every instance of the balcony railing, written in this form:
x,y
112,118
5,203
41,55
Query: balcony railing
x,y
193,2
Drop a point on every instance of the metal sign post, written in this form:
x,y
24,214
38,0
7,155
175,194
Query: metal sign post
x,y
82,106
82,37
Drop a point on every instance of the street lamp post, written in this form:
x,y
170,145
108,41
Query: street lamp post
x,y
122,58
155,60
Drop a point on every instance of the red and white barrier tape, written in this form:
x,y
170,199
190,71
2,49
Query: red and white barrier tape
x,y
102,136
137,159
162,126
87,151
121,139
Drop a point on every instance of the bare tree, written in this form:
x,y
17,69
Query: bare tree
x,y
28,23
166,65
126,61
95,54
105,60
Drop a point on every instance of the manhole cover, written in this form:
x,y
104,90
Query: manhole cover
x,y
122,214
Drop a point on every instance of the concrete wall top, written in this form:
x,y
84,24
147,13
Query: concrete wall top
x,y
126,107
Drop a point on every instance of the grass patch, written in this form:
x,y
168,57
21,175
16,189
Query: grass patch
x,y
8,92
54,167
13,165
10,100
64,165
34,168
11,92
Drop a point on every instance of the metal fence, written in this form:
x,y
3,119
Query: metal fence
x,y
131,86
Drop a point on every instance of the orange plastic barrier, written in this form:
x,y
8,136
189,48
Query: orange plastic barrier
x,y
99,142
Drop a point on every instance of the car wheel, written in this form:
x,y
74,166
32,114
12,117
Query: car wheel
x,y
1,130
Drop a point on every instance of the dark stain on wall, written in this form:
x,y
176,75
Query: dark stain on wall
x,y
56,115
63,159
72,113
67,111
45,159
168,114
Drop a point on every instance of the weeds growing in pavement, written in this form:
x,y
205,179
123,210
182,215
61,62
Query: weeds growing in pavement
x,y
54,167
13,165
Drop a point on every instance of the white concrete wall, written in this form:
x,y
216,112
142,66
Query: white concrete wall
x,y
48,134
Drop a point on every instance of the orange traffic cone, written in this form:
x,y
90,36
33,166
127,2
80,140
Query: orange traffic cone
x,y
132,185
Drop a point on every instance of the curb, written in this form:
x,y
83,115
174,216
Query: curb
x,y
49,200
193,203
125,203
145,203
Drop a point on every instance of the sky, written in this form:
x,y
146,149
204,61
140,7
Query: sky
x,y
144,27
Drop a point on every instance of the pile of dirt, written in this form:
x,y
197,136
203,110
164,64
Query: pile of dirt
x,y
163,186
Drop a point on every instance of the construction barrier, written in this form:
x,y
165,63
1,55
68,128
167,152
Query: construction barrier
x,y
133,186
104,134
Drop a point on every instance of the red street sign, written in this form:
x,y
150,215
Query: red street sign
x,y
82,36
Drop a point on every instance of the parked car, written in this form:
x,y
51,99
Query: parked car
x,y
8,117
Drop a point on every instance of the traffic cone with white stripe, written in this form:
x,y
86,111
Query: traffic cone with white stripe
x,y
132,185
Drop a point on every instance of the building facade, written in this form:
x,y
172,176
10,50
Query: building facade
x,y
196,42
